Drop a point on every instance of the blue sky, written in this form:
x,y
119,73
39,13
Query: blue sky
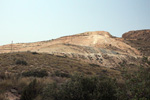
x,y
38,20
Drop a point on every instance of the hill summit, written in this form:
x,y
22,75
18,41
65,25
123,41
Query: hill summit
x,y
103,33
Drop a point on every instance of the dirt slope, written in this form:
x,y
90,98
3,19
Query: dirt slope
x,y
95,47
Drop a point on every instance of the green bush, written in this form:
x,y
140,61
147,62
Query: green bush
x,y
82,88
145,60
21,62
60,74
94,65
34,53
31,91
35,73
3,75
50,92
137,85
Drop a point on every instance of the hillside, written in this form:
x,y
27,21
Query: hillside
x,y
17,70
97,47
27,61
77,65
139,39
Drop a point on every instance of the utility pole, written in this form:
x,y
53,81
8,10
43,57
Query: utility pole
x,y
11,46
11,49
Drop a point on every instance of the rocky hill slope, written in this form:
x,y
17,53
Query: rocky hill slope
x,y
90,53
97,47
139,39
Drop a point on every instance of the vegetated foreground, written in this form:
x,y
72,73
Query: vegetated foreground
x,y
87,66
35,76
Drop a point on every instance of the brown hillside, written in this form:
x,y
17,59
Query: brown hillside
x,y
97,47
137,35
139,39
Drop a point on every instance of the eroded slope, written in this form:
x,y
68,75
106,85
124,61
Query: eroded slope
x,y
97,47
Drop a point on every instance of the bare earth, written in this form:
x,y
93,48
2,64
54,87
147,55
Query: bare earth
x,y
97,47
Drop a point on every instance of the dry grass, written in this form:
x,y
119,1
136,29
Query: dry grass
x,y
11,73
59,70
47,62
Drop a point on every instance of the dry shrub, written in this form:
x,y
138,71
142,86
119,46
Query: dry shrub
x,y
2,97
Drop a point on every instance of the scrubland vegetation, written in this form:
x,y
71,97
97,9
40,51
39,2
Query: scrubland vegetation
x,y
33,76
